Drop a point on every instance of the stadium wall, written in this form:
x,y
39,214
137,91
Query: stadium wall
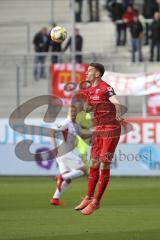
x,y
137,154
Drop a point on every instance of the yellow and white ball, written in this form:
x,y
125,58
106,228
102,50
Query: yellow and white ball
x,y
58,34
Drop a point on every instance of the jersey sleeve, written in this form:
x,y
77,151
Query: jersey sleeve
x,y
110,92
62,125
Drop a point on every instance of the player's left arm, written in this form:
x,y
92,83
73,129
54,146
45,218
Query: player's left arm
x,y
114,99
84,133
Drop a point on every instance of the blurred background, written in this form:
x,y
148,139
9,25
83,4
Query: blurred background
x,y
21,20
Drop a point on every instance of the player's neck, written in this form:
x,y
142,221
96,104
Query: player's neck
x,y
96,82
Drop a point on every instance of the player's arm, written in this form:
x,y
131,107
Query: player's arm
x,y
88,108
84,133
54,144
114,99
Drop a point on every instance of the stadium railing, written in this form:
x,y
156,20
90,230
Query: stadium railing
x,y
18,77
136,104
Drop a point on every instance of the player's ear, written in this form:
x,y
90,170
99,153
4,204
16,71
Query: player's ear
x,y
97,74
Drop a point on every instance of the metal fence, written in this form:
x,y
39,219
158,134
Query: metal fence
x,y
136,104
19,85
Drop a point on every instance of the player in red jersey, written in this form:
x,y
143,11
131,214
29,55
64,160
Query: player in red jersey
x,y
105,106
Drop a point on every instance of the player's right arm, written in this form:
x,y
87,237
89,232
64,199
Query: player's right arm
x,y
114,99
84,133
54,144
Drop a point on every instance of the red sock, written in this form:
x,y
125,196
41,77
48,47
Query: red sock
x,y
103,181
92,181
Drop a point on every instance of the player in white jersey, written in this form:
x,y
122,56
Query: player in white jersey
x,y
69,161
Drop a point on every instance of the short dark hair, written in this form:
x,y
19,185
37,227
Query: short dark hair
x,y
99,67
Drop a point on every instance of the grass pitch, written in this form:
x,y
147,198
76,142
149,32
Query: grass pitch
x,y
130,209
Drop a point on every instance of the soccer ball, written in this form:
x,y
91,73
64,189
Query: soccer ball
x,y
58,34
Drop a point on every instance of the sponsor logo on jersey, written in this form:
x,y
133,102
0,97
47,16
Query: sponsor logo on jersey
x,y
97,91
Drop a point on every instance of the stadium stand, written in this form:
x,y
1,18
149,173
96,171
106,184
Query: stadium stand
x,y
20,20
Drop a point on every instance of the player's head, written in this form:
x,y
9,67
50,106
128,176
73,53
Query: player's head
x,y
78,100
79,106
95,71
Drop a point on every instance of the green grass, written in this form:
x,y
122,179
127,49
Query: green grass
x,y
130,209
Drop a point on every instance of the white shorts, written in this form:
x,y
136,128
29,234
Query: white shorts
x,y
69,162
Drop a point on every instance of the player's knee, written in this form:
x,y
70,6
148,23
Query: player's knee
x,y
105,165
84,171
94,163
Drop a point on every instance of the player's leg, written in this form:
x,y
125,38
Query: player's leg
x,y
74,173
92,181
69,169
94,166
93,175
106,155
102,183
76,166
61,184
58,193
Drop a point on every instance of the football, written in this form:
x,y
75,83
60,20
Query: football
x,y
58,34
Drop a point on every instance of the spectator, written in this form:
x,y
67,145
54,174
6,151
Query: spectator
x,y
127,3
136,30
148,10
155,37
129,14
117,10
55,47
94,10
78,12
108,4
78,45
128,17
41,45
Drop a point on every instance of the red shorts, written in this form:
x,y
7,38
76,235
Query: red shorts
x,y
104,142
